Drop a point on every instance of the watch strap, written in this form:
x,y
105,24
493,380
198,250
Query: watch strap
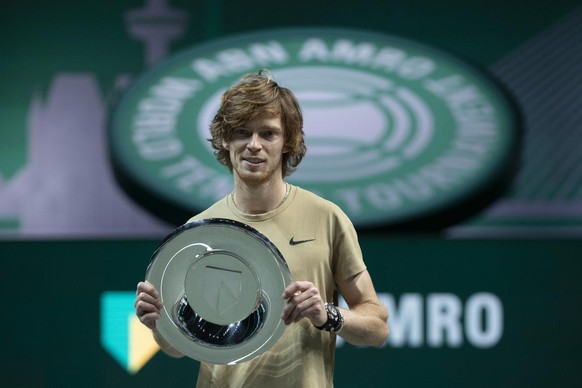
x,y
335,319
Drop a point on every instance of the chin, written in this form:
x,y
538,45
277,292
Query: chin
x,y
252,177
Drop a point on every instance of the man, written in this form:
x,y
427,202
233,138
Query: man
x,y
257,133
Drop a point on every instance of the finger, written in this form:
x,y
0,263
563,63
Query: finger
x,y
292,302
143,308
147,292
148,299
296,288
143,312
149,320
300,297
290,311
287,310
308,312
148,288
293,315
307,308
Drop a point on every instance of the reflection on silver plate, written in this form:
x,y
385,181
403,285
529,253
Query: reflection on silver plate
x,y
221,283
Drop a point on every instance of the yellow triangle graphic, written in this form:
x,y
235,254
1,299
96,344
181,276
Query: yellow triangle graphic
x,y
142,346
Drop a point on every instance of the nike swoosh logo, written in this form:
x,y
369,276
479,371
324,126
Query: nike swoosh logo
x,y
293,242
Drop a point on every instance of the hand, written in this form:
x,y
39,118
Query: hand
x,y
147,304
303,301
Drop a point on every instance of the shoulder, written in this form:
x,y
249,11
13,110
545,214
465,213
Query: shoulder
x,y
216,210
313,202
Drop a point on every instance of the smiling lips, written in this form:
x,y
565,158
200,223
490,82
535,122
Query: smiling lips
x,y
253,161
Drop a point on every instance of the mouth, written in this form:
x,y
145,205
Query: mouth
x,y
253,161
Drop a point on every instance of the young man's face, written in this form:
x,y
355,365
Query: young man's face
x,y
256,149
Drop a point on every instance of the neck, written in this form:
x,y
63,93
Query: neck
x,y
261,198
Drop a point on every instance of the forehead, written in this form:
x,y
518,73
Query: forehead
x,y
266,121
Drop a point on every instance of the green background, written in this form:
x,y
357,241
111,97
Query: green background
x,y
52,314
39,39
50,323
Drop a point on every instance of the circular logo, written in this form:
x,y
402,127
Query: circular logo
x,y
398,133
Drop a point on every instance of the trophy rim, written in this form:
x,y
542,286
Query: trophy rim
x,y
183,328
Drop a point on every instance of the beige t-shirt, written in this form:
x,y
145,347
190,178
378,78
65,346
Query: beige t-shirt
x,y
304,356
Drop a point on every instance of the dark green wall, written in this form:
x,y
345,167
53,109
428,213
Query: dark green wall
x,y
51,322
52,289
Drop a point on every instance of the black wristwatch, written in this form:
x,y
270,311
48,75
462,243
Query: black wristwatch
x,y
335,319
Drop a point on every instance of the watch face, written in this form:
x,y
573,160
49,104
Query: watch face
x,y
221,283
334,318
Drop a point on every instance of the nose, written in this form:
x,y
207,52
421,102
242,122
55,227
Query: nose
x,y
254,143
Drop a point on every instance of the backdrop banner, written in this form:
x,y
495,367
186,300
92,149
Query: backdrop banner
x,y
65,67
462,313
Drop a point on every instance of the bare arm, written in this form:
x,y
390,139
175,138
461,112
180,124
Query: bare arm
x,y
365,323
147,308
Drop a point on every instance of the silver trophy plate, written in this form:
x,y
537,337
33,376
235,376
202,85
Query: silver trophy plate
x,y
221,283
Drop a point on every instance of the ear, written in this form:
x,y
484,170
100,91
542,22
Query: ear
x,y
225,145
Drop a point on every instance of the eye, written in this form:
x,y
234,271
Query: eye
x,y
270,134
240,133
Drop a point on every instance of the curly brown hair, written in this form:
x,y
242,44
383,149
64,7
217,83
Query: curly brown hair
x,y
254,95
